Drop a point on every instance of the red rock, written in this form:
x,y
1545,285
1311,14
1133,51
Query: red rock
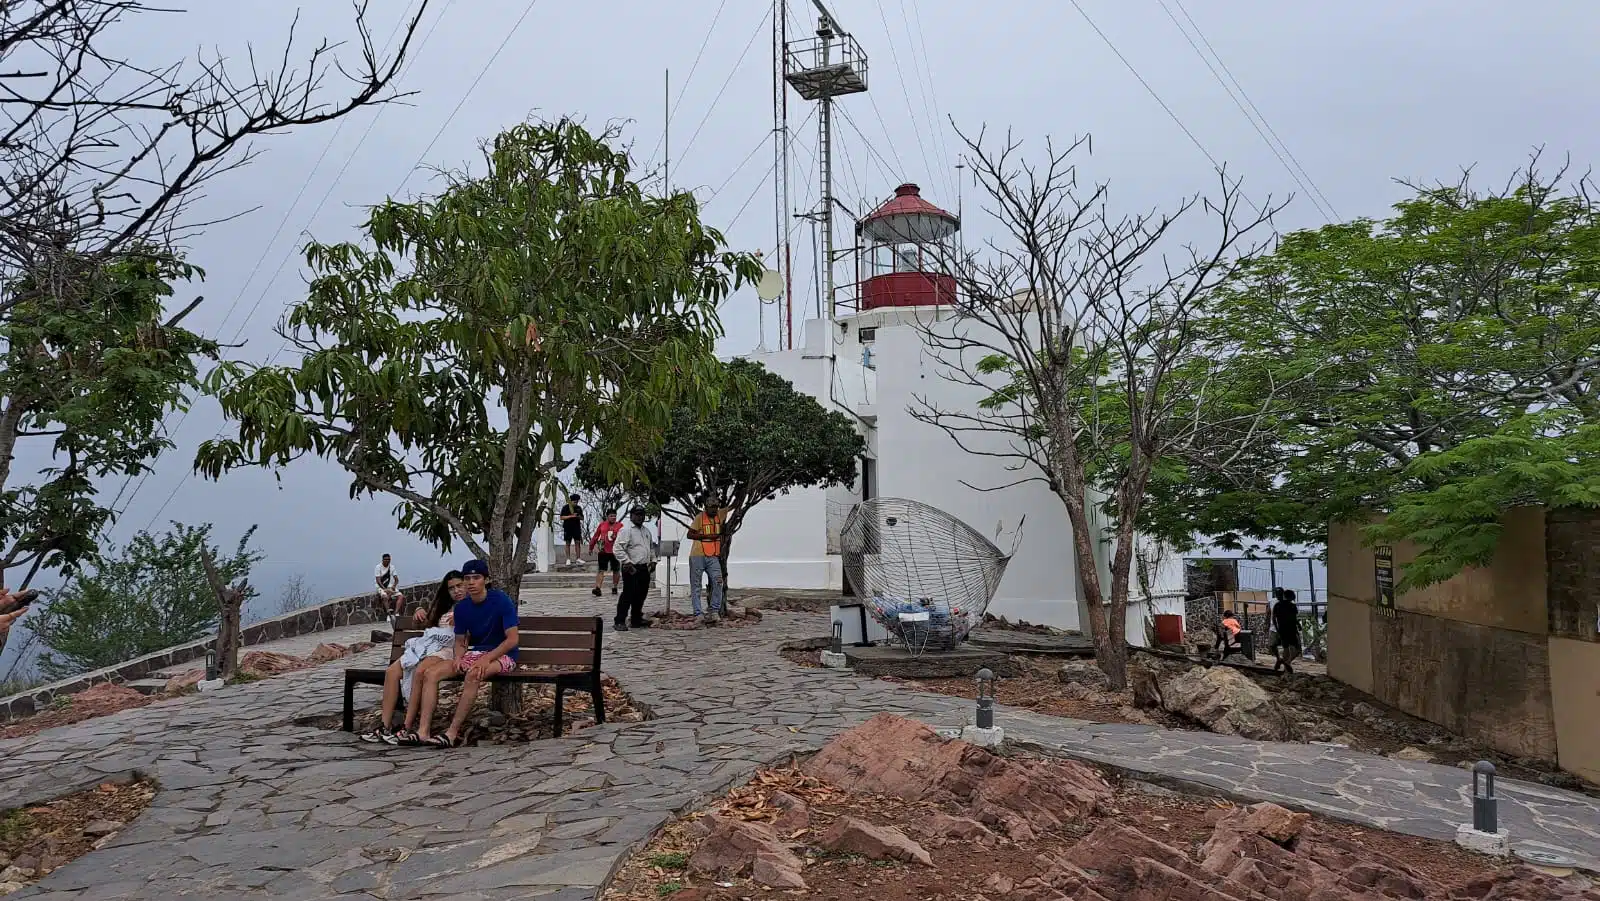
x,y
999,883
184,681
777,869
873,842
891,755
733,846
1524,884
942,827
324,653
793,814
1269,821
269,663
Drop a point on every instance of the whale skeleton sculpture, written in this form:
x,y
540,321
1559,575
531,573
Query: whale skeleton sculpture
x,y
926,576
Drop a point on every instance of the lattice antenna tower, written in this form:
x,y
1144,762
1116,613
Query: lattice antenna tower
x,y
820,69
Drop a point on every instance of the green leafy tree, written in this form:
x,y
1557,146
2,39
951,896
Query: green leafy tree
x,y
1441,364
149,595
448,361
89,372
765,439
1083,337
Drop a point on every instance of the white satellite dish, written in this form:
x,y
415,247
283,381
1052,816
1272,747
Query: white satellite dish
x,y
770,285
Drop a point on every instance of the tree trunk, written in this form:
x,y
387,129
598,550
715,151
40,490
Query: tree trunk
x,y
724,547
10,422
230,599
506,697
228,633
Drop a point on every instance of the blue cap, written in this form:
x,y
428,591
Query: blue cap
x,y
475,568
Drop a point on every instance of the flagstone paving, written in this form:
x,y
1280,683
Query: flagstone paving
x,y
253,805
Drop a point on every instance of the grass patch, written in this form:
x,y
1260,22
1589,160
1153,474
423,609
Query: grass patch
x,y
669,888
670,860
14,825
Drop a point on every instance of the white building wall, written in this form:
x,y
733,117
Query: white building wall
x,y
921,462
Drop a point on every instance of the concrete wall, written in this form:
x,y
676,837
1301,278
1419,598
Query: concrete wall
x,y
1575,697
1505,654
1350,640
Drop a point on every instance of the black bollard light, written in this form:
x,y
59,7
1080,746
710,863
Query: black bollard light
x,y
1485,816
211,666
837,645
985,699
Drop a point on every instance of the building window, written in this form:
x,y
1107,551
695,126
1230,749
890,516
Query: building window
x,y
867,335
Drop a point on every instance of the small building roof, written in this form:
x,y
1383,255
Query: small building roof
x,y
908,218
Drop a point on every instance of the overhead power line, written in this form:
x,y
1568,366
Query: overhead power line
x,y
739,63
905,92
672,111
1292,164
1148,89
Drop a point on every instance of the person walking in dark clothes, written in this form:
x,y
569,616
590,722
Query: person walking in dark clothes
x,y
635,549
1285,631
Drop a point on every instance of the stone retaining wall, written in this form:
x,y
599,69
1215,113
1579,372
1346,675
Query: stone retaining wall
x,y
346,611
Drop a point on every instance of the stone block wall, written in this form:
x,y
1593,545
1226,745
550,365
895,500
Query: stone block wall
x,y
345,611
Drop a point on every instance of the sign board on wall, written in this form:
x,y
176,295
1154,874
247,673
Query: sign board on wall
x,y
1383,574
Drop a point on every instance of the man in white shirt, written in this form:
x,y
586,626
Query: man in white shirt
x,y
635,548
389,585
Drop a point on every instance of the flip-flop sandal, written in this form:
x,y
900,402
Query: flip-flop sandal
x,y
438,741
408,738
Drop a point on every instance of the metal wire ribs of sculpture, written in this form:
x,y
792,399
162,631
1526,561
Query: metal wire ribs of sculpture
x,y
924,575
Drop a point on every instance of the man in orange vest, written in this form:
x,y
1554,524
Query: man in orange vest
x,y
704,557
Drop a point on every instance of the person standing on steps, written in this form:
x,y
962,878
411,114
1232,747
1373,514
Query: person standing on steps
x,y
636,549
605,535
1285,631
704,557
572,529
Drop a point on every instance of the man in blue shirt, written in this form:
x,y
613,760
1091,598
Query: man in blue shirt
x,y
486,641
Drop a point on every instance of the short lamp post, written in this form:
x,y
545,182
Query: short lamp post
x,y
836,645
1485,815
213,679
985,718
1484,834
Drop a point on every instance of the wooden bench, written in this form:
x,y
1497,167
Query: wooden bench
x,y
567,648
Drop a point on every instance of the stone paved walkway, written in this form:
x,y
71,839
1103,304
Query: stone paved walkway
x,y
254,806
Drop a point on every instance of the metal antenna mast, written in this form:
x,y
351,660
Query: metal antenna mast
x,y
830,65
780,173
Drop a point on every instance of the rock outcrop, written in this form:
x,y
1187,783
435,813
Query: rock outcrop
x,y
737,848
901,758
1227,702
1262,853
854,836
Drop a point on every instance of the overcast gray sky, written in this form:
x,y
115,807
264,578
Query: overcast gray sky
x,y
1362,92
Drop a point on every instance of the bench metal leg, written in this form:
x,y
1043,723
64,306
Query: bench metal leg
x,y
560,693
599,702
349,704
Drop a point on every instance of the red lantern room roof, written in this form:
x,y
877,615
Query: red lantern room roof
x,y
907,218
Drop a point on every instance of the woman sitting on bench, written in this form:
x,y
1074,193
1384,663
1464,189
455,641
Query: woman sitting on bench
x,y
434,649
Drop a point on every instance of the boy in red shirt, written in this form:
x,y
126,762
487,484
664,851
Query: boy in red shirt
x,y
605,535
